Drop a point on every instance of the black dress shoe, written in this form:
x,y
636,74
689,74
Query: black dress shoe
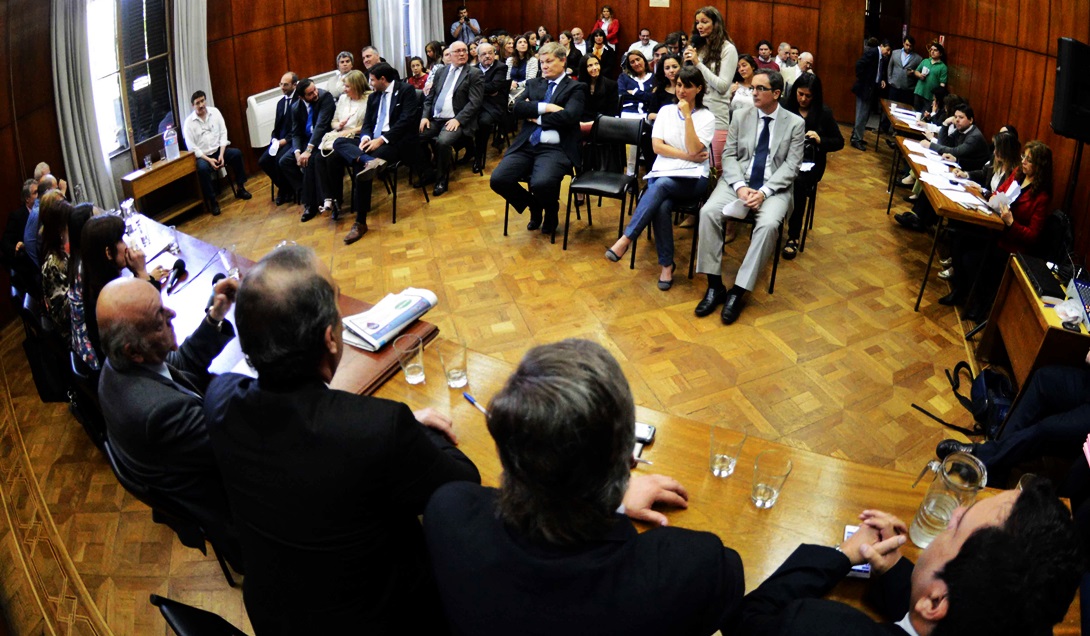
x,y
242,193
477,167
280,199
948,446
909,220
712,299
308,214
214,208
732,307
951,299
440,188
533,224
859,145
548,226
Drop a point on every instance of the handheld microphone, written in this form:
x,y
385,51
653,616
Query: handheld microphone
x,y
176,274
215,279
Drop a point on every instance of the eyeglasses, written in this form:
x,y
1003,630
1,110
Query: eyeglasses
x,y
762,89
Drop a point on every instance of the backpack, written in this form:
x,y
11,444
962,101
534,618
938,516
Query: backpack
x,y
991,394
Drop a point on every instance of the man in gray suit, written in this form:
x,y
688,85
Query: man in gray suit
x,y
151,392
760,163
450,112
901,82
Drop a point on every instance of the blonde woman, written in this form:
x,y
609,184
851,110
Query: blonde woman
x,y
347,122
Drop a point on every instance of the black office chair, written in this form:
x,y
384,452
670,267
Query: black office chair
x,y
166,511
83,400
187,620
608,131
389,180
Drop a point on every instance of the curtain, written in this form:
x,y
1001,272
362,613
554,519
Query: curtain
x,y
428,14
191,54
388,31
84,162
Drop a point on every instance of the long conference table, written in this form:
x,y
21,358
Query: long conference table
x,y
821,496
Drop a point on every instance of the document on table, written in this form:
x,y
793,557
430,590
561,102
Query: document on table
x,y
916,147
930,164
940,182
968,199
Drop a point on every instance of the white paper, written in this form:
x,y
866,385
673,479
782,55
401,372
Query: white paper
x,y
968,198
274,146
916,147
940,182
736,209
806,166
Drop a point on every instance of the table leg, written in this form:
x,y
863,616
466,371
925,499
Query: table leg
x,y
892,173
930,260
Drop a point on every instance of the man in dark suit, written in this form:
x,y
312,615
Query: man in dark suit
x,y
1006,565
280,142
494,106
312,118
867,82
26,275
547,147
151,394
760,163
388,135
965,144
326,485
450,113
549,549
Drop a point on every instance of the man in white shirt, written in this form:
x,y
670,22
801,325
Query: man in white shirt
x,y
578,42
760,163
205,135
645,44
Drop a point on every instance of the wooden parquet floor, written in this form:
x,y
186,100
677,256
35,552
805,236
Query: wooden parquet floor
x,y
829,363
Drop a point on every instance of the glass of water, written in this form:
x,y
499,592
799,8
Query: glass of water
x,y
410,355
452,354
725,449
770,472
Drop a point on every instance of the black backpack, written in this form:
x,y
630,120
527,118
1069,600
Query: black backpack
x,y
991,394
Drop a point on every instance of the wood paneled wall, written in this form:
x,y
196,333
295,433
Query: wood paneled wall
x,y
251,44
831,29
28,115
1002,58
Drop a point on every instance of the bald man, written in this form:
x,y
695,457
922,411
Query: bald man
x,y
151,391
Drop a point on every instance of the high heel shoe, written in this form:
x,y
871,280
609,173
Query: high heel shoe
x,y
613,256
665,285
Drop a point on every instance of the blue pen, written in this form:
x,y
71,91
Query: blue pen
x,y
469,398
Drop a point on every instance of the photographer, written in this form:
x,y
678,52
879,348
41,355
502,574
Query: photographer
x,y
464,28
822,137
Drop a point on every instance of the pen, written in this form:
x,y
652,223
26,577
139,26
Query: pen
x,y
642,461
475,403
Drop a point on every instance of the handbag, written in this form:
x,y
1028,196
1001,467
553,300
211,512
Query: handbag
x,y
991,394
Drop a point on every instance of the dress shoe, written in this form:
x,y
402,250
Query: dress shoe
x,y
892,144
370,169
308,214
712,299
665,285
948,446
548,226
951,299
732,307
214,208
477,166
859,145
947,273
533,224
280,199
909,220
613,256
356,233
946,262
440,188
242,193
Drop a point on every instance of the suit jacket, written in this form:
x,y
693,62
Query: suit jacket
x,y
971,149
282,125
404,114
790,602
866,73
157,427
492,581
496,88
898,72
466,100
785,146
323,121
13,233
326,487
570,95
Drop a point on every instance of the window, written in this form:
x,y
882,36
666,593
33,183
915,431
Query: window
x,y
133,89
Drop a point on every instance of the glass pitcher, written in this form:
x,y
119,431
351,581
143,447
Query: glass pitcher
x,y
957,481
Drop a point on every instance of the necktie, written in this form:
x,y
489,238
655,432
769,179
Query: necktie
x,y
535,137
285,127
760,156
310,119
377,132
448,86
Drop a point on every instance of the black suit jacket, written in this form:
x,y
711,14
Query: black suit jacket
x,y
866,73
282,125
571,96
326,487
467,98
492,581
13,234
404,114
790,602
496,88
323,121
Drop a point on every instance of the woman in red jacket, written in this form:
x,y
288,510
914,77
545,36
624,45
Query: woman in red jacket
x,y
1023,218
608,23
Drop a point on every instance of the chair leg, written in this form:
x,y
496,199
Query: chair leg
x,y
393,187
506,216
567,219
775,258
223,567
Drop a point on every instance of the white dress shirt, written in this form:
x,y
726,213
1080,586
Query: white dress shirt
x,y
205,136
771,151
446,109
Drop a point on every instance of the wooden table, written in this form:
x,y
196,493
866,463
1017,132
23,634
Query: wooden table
x,y
899,128
947,211
1028,333
141,183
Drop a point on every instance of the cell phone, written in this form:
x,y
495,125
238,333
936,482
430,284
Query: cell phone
x,y
645,433
861,571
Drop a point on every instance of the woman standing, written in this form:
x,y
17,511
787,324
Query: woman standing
x,y
713,53
681,138
347,122
823,136
608,24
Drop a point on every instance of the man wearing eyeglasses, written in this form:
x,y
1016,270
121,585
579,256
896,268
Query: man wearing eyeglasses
x,y
760,163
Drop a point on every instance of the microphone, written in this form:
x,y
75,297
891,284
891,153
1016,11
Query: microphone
x,y
176,274
215,279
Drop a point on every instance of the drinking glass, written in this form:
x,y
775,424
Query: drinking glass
x,y
410,355
770,471
452,354
724,450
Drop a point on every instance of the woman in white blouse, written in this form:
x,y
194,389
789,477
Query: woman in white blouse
x,y
347,122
